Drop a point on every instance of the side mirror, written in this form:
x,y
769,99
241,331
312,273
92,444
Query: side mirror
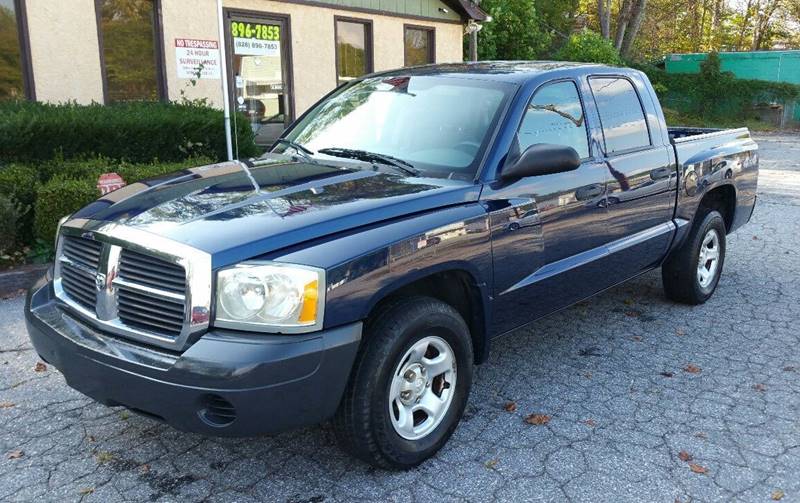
x,y
542,159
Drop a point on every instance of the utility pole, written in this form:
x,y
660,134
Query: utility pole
x,y
473,45
473,28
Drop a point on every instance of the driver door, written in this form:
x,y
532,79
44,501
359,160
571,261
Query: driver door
x,y
548,231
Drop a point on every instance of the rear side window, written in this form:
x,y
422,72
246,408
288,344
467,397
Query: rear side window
x,y
555,115
621,114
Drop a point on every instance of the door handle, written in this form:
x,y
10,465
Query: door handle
x,y
660,173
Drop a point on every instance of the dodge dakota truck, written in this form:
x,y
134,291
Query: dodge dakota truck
x,y
358,270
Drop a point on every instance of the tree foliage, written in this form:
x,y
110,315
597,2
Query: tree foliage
x,y
674,26
515,31
589,47
10,63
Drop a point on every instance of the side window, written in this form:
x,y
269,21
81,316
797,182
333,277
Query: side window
x,y
555,115
621,114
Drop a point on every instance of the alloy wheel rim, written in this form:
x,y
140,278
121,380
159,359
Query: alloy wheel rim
x,y
708,260
422,388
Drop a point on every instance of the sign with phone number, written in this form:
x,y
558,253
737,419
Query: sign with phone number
x,y
257,31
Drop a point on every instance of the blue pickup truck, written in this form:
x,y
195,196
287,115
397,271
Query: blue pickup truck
x,y
361,268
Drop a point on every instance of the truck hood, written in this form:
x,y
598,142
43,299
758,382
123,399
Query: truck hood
x,y
235,211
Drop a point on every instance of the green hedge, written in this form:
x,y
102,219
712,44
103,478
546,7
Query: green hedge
x,y
139,132
18,184
59,197
75,186
45,192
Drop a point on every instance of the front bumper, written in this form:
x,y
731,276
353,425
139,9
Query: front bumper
x,y
227,383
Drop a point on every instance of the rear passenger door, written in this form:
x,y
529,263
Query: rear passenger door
x,y
642,176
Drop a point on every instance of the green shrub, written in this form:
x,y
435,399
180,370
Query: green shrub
x,y
130,172
74,185
18,185
19,182
136,172
133,132
57,198
589,47
11,213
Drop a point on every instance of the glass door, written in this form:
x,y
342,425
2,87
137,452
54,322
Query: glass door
x,y
258,54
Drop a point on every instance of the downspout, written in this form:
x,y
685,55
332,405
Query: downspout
x,y
224,68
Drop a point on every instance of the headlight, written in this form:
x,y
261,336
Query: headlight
x,y
270,297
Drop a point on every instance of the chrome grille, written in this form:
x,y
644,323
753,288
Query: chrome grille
x,y
81,258
139,310
133,284
152,272
85,251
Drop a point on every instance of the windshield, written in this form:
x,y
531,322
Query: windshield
x,y
439,125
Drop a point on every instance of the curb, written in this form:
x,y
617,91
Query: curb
x,y
20,278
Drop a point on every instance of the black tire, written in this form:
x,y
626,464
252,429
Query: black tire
x,y
362,423
679,273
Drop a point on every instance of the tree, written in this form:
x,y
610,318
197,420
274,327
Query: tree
x,y
629,19
634,23
589,47
515,31
604,16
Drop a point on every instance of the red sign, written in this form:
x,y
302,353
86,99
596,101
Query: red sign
x,y
109,182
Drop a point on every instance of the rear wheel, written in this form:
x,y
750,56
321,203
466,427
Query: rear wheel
x,y
690,275
409,384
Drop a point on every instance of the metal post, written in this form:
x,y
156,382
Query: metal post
x,y
224,68
473,46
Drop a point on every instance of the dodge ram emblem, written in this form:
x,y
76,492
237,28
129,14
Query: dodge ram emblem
x,y
100,281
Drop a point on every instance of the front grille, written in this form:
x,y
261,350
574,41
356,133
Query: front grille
x,y
77,272
152,272
146,310
138,310
146,297
85,251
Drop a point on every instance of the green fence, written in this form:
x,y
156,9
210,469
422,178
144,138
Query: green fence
x,y
772,66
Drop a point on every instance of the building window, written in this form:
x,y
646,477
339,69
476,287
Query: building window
x,y
353,48
130,38
15,81
419,45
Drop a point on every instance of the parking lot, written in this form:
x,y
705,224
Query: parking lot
x,y
641,400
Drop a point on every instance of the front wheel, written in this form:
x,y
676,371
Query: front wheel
x,y
690,275
409,384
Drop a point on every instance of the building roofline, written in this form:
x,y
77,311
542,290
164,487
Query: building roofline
x,y
468,9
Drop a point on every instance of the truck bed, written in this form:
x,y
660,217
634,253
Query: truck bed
x,y
698,144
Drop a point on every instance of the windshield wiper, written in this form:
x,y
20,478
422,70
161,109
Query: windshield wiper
x,y
364,155
303,151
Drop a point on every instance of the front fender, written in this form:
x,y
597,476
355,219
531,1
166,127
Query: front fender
x,y
364,267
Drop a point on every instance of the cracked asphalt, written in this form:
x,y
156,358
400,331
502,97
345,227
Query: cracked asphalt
x,y
647,400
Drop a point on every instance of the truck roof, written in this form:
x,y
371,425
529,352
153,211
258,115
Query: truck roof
x,y
516,72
